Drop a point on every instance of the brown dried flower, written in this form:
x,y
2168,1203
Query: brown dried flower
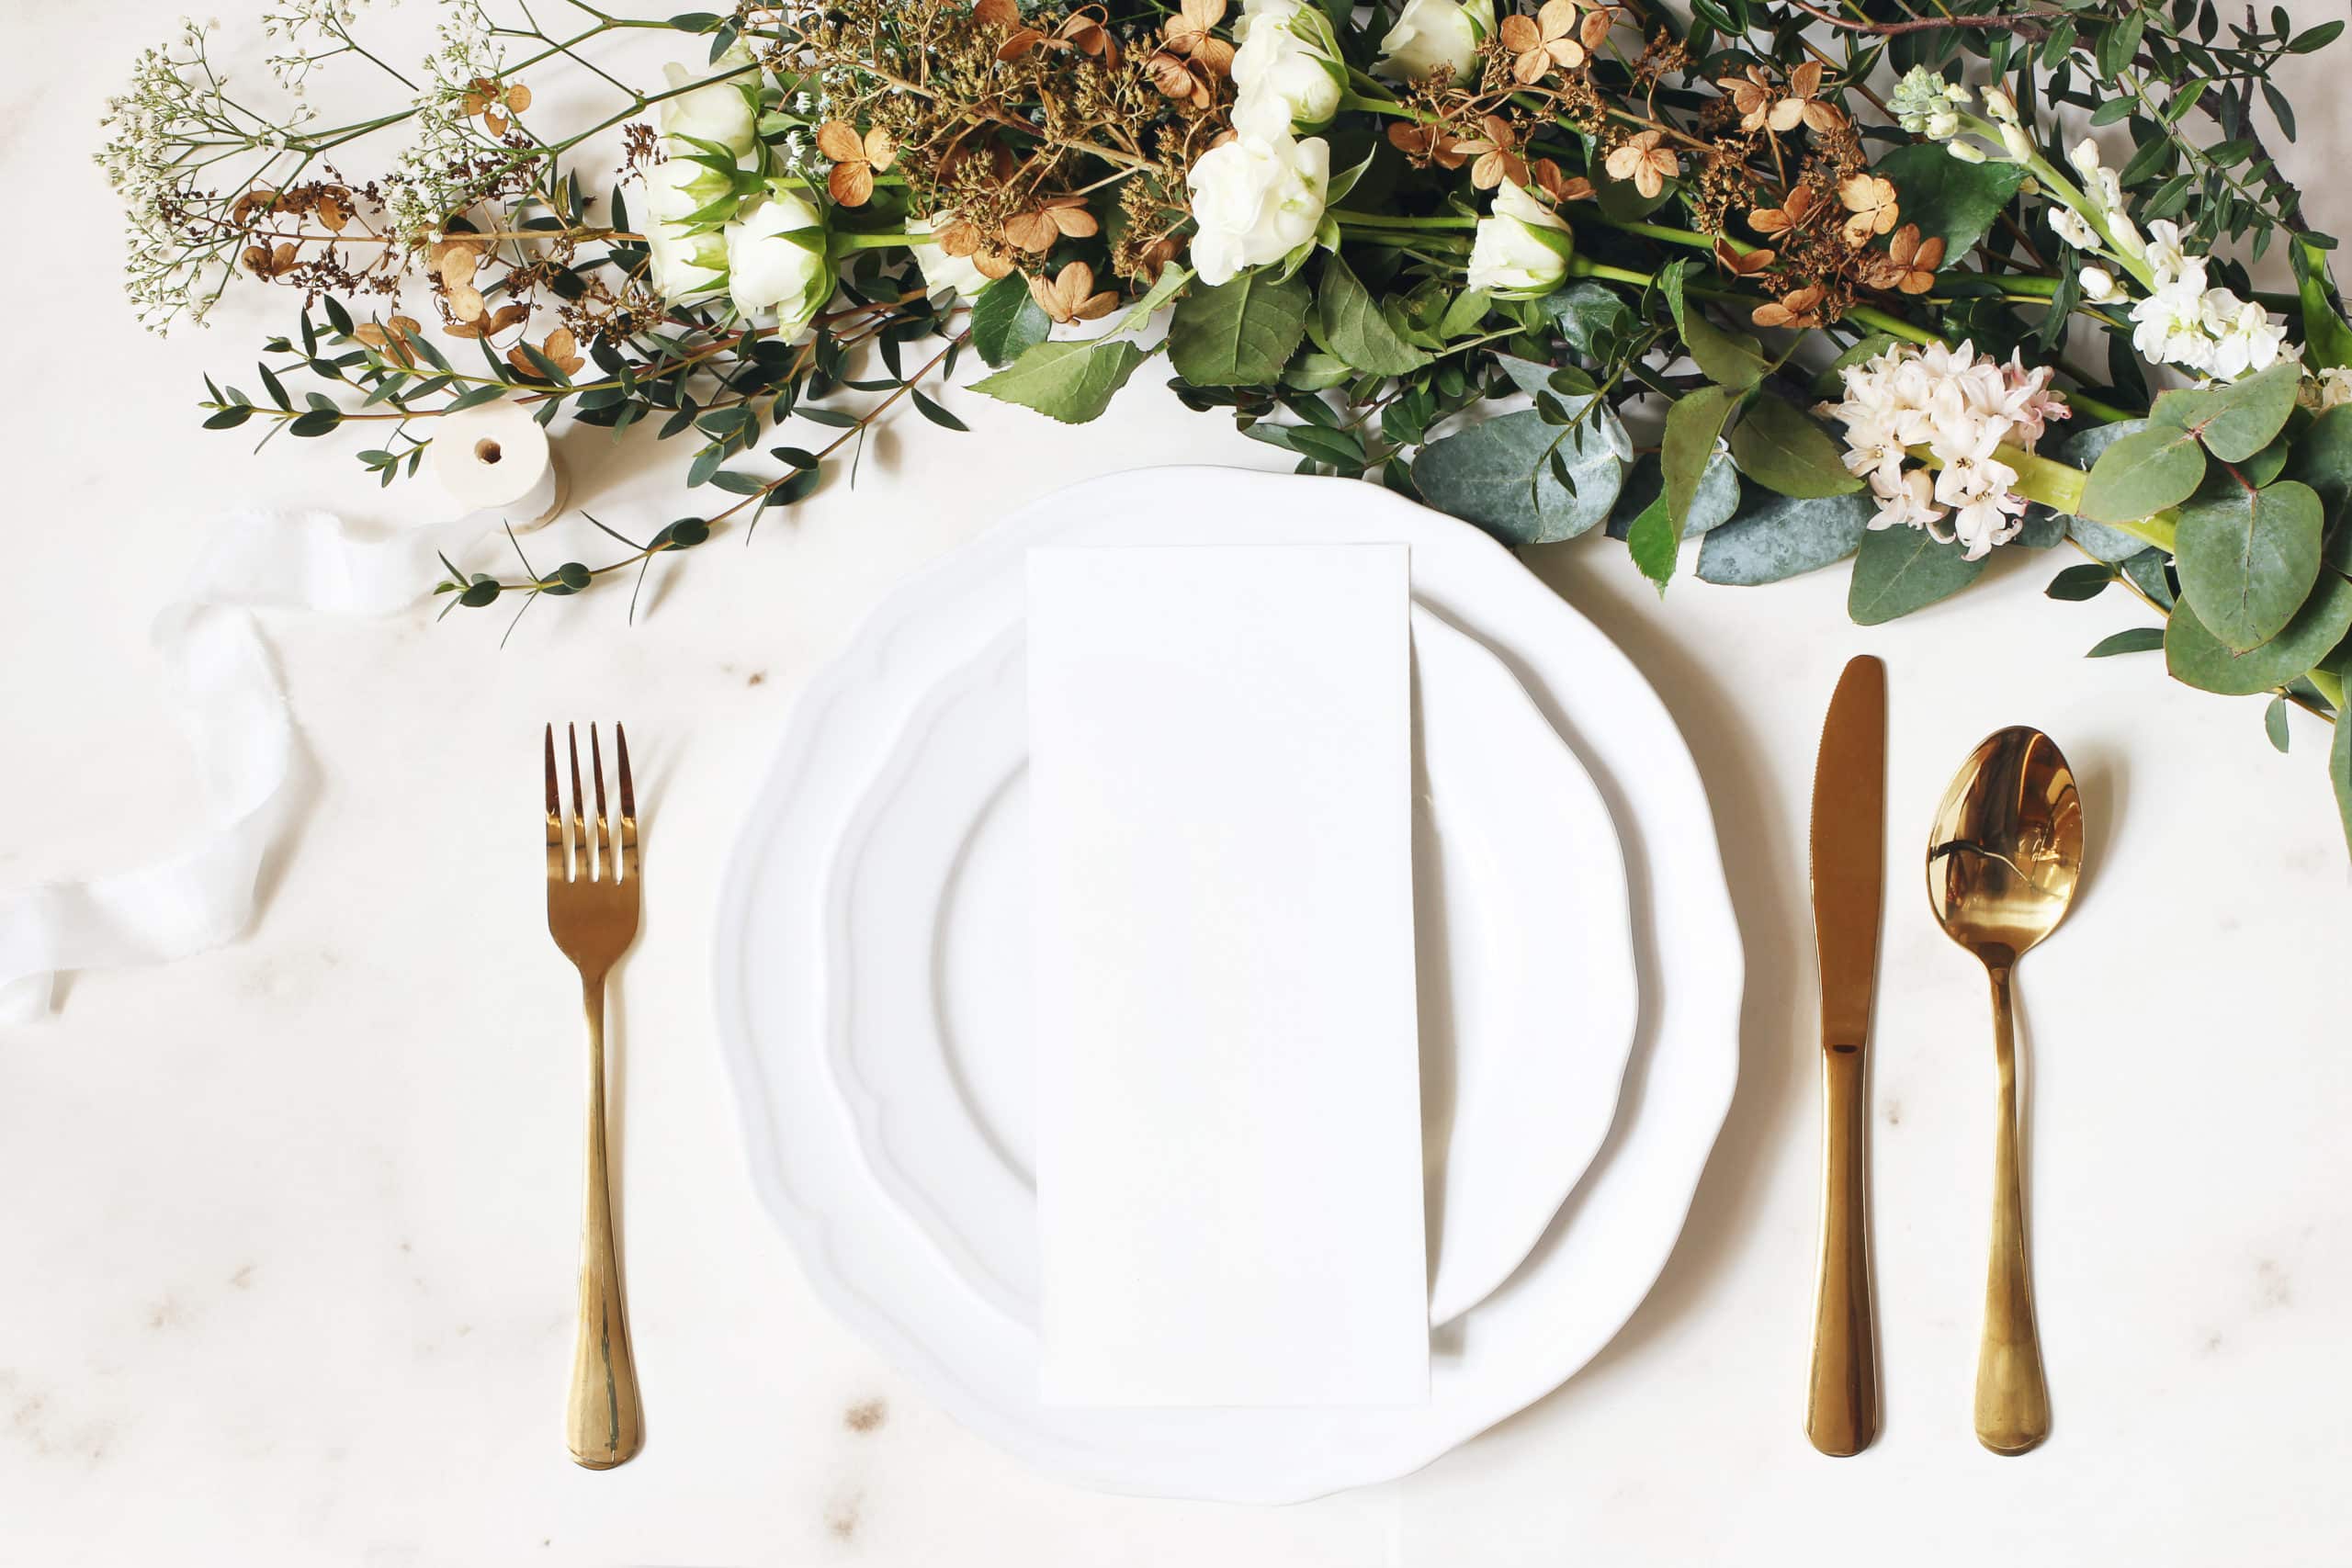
x,y
1560,187
1871,202
1761,105
1909,263
392,344
561,350
1549,39
1191,34
1640,159
1426,145
1071,296
1741,264
1791,214
1497,151
1037,229
1800,308
855,159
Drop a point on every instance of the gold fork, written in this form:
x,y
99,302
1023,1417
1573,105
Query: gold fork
x,y
592,913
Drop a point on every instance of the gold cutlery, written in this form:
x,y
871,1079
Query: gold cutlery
x,y
2002,861
1848,868
592,914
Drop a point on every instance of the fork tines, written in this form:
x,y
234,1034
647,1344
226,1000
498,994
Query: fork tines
x,y
604,855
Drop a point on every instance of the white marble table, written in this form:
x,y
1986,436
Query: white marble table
x,y
288,1228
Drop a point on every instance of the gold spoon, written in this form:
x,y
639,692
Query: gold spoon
x,y
2001,867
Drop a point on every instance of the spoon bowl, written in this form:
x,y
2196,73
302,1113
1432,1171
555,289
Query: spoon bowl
x,y
2002,864
2008,846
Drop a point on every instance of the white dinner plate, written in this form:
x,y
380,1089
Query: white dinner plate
x,y
878,1270
1525,957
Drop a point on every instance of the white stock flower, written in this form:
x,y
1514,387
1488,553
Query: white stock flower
x,y
2072,229
2331,388
2084,155
1256,199
939,269
2169,324
2247,338
775,264
2018,145
1511,254
1286,72
720,112
2164,257
2099,285
2000,106
1966,152
1430,35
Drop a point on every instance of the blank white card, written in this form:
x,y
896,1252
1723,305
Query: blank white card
x,y
1228,1097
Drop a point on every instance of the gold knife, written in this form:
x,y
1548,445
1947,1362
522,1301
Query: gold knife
x,y
1849,867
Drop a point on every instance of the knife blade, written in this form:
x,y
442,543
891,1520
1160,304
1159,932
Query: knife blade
x,y
1848,878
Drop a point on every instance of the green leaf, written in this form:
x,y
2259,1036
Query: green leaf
x,y
2248,559
2327,340
2138,639
317,422
2237,421
1902,569
1949,200
230,418
1586,313
1692,423
2083,449
1728,359
937,414
1007,322
1354,328
2147,570
1239,332
1497,475
2142,473
2339,771
1782,449
2321,459
2274,723
1072,382
2196,657
1645,491
1776,536
2079,582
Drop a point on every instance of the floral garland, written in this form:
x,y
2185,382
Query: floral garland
x,y
1904,286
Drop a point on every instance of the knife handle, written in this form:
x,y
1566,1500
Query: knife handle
x,y
1841,1407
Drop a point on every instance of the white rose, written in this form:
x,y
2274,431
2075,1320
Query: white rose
x,y
1511,253
1431,34
1256,199
722,112
769,269
682,263
939,269
1286,75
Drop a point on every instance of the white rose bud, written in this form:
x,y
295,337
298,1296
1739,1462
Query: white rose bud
x,y
1287,74
939,269
1430,35
722,112
682,264
1256,199
1522,248
2097,285
773,263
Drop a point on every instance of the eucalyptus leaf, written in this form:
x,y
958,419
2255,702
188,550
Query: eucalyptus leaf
x,y
2146,570
2196,657
2274,723
1898,570
2135,639
1006,321
2142,473
1782,449
1949,200
1355,331
1239,333
2339,771
2237,421
1072,382
2083,449
2248,559
1496,474
2321,459
1776,536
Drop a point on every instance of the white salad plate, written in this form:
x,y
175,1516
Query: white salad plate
x,y
1526,969
885,1272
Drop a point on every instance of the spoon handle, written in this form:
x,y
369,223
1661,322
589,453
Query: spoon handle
x,y
1841,1403
2012,1397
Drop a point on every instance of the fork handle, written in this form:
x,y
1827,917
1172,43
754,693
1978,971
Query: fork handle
x,y
603,1423
1841,1405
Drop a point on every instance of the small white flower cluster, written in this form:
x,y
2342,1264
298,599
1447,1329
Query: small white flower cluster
x,y
289,21
1926,105
2325,390
1960,408
433,178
